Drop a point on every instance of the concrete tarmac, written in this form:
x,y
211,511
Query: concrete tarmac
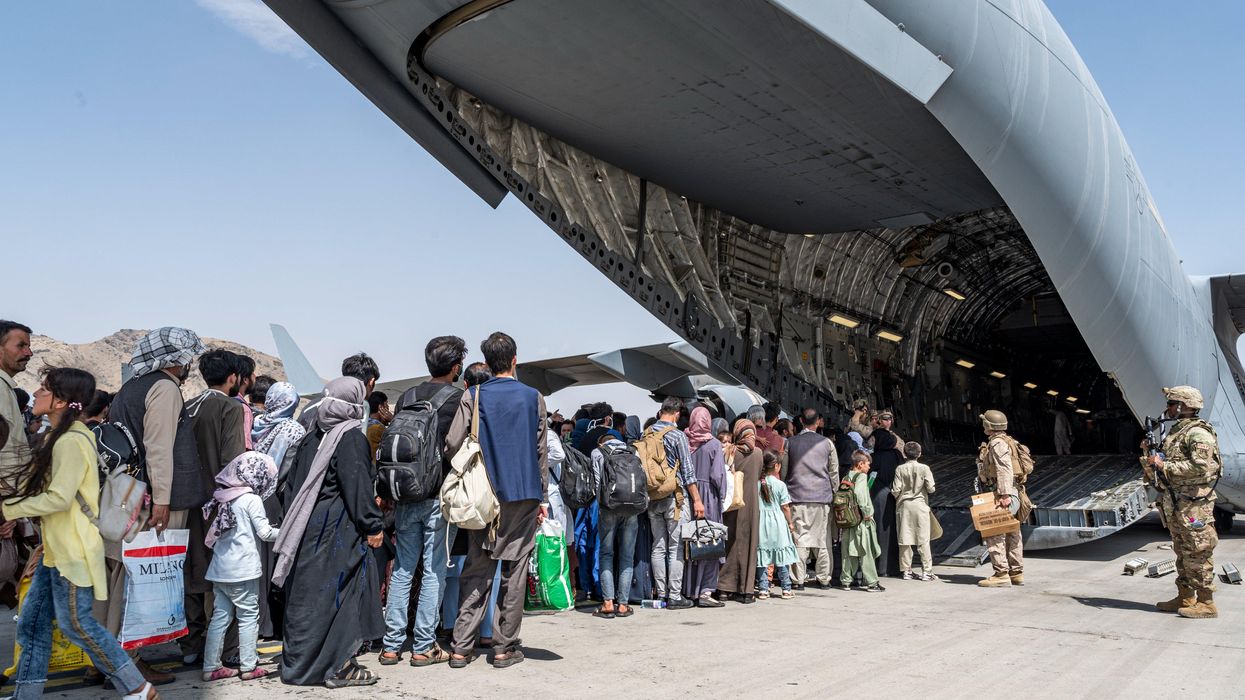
x,y
1078,628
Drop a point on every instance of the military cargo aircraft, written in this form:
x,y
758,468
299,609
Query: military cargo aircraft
x,y
926,205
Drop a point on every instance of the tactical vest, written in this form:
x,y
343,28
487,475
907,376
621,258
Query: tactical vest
x,y
1177,440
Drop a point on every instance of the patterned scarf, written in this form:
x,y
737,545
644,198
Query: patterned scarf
x,y
249,472
165,347
280,403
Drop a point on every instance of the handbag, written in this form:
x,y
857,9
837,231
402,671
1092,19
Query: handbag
x,y
935,527
467,498
736,491
706,542
123,501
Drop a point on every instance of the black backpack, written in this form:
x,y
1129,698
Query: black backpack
x,y
576,484
409,456
624,485
118,448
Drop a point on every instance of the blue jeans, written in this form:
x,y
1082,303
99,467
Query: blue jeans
x,y
52,597
622,527
422,533
230,599
782,572
449,606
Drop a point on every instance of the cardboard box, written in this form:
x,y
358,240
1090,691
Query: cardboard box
x,y
989,519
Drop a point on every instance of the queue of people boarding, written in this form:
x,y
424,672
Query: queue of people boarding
x,y
352,527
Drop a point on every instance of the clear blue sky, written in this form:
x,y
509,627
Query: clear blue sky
x,y
185,163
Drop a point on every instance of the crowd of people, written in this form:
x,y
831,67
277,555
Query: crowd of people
x,y
291,540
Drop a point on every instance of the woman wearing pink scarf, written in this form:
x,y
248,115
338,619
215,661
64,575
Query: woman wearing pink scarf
x,y
701,577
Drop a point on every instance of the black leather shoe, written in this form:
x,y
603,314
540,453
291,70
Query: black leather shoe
x,y
797,586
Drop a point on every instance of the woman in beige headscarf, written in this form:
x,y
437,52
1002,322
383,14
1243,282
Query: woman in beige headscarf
x,y
738,576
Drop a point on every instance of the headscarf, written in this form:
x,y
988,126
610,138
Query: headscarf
x,y
699,428
249,472
633,430
341,411
860,442
165,347
280,403
745,436
719,426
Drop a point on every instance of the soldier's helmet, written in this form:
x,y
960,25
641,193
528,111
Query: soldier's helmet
x,y
1184,394
994,420
859,404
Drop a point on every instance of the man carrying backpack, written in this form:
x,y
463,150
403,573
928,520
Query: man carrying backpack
x,y
422,532
997,470
150,406
623,495
664,442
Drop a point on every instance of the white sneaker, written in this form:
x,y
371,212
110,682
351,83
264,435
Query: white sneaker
x,y
929,577
908,576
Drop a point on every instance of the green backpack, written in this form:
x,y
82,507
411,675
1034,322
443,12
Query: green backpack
x,y
846,507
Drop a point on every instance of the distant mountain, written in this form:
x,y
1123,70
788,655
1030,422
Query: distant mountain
x,y
103,358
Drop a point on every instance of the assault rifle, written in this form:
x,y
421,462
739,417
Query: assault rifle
x,y
1156,479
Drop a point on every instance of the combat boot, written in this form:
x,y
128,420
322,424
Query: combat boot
x,y
1000,578
1018,579
1185,597
1202,609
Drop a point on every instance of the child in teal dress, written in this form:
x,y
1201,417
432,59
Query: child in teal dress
x,y
777,543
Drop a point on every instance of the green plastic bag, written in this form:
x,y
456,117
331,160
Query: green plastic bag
x,y
548,572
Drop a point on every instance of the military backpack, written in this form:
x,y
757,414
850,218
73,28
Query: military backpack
x,y
846,507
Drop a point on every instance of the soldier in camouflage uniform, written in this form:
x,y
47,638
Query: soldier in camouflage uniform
x,y
995,471
1186,471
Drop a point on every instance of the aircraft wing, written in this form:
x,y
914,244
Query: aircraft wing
x,y
663,368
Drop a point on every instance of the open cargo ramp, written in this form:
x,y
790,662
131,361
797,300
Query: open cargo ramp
x,y
1077,498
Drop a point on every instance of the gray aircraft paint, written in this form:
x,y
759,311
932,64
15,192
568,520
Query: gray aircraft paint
x,y
1022,105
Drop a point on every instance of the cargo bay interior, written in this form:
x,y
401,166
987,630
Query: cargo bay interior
x,y
818,255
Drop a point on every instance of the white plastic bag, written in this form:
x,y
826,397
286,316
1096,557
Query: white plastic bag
x,y
155,609
729,494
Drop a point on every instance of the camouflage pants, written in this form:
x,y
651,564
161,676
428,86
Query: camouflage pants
x,y
1006,553
1194,548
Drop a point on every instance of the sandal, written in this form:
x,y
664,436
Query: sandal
x,y
147,692
508,660
254,674
624,610
352,676
386,660
763,595
787,595
220,674
435,655
603,613
456,662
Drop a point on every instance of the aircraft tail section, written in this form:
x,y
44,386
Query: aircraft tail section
x,y
298,369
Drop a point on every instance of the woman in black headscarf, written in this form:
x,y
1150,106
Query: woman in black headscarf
x,y
886,459
332,590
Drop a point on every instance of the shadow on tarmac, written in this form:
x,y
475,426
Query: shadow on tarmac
x,y
1114,603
